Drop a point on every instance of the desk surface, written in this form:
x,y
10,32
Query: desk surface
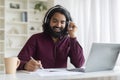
x,y
28,76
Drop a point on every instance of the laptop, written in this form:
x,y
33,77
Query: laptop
x,y
103,56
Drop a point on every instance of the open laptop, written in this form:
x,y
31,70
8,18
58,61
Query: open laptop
x,y
103,56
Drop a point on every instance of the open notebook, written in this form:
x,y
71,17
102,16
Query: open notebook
x,y
102,56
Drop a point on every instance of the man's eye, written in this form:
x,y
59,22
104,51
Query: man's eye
x,y
63,22
54,21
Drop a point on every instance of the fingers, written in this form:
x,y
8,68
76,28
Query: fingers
x,y
72,26
72,29
33,65
40,65
29,67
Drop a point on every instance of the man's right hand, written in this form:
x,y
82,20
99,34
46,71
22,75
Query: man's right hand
x,y
32,65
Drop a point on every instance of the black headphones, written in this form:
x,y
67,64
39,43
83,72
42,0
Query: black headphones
x,y
46,18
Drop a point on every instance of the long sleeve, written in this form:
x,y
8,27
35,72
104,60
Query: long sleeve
x,y
76,53
26,52
52,55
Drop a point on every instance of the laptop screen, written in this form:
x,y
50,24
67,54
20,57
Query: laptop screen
x,y
102,56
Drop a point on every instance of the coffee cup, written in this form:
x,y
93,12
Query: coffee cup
x,y
11,64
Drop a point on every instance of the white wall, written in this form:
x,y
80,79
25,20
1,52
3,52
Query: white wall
x,y
68,4
64,3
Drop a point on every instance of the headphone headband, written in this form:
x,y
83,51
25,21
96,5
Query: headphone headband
x,y
57,6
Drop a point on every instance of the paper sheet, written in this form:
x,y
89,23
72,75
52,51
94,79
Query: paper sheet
x,y
53,72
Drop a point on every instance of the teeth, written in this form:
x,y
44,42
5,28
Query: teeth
x,y
57,29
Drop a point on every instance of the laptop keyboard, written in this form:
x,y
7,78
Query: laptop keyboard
x,y
77,69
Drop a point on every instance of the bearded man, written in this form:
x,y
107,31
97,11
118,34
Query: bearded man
x,y
52,47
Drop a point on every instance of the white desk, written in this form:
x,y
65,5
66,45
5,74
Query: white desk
x,y
103,75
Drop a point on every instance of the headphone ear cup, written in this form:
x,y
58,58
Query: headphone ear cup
x,y
67,24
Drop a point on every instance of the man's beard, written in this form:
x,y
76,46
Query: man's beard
x,y
55,34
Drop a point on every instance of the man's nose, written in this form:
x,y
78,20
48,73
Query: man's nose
x,y
58,24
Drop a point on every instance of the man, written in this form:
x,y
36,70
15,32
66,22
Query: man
x,y
52,47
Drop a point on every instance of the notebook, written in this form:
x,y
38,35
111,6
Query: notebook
x,y
102,56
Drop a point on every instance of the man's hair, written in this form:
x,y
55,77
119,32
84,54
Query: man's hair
x,y
51,12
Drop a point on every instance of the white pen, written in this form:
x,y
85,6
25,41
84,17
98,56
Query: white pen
x,y
35,60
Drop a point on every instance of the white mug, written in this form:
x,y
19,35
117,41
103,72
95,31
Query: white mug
x,y
11,64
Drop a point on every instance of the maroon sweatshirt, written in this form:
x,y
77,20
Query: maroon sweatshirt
x,y
52,55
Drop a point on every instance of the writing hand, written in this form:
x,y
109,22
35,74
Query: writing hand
x,y
39,62
33,65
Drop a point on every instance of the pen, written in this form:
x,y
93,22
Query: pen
x,y
35,60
